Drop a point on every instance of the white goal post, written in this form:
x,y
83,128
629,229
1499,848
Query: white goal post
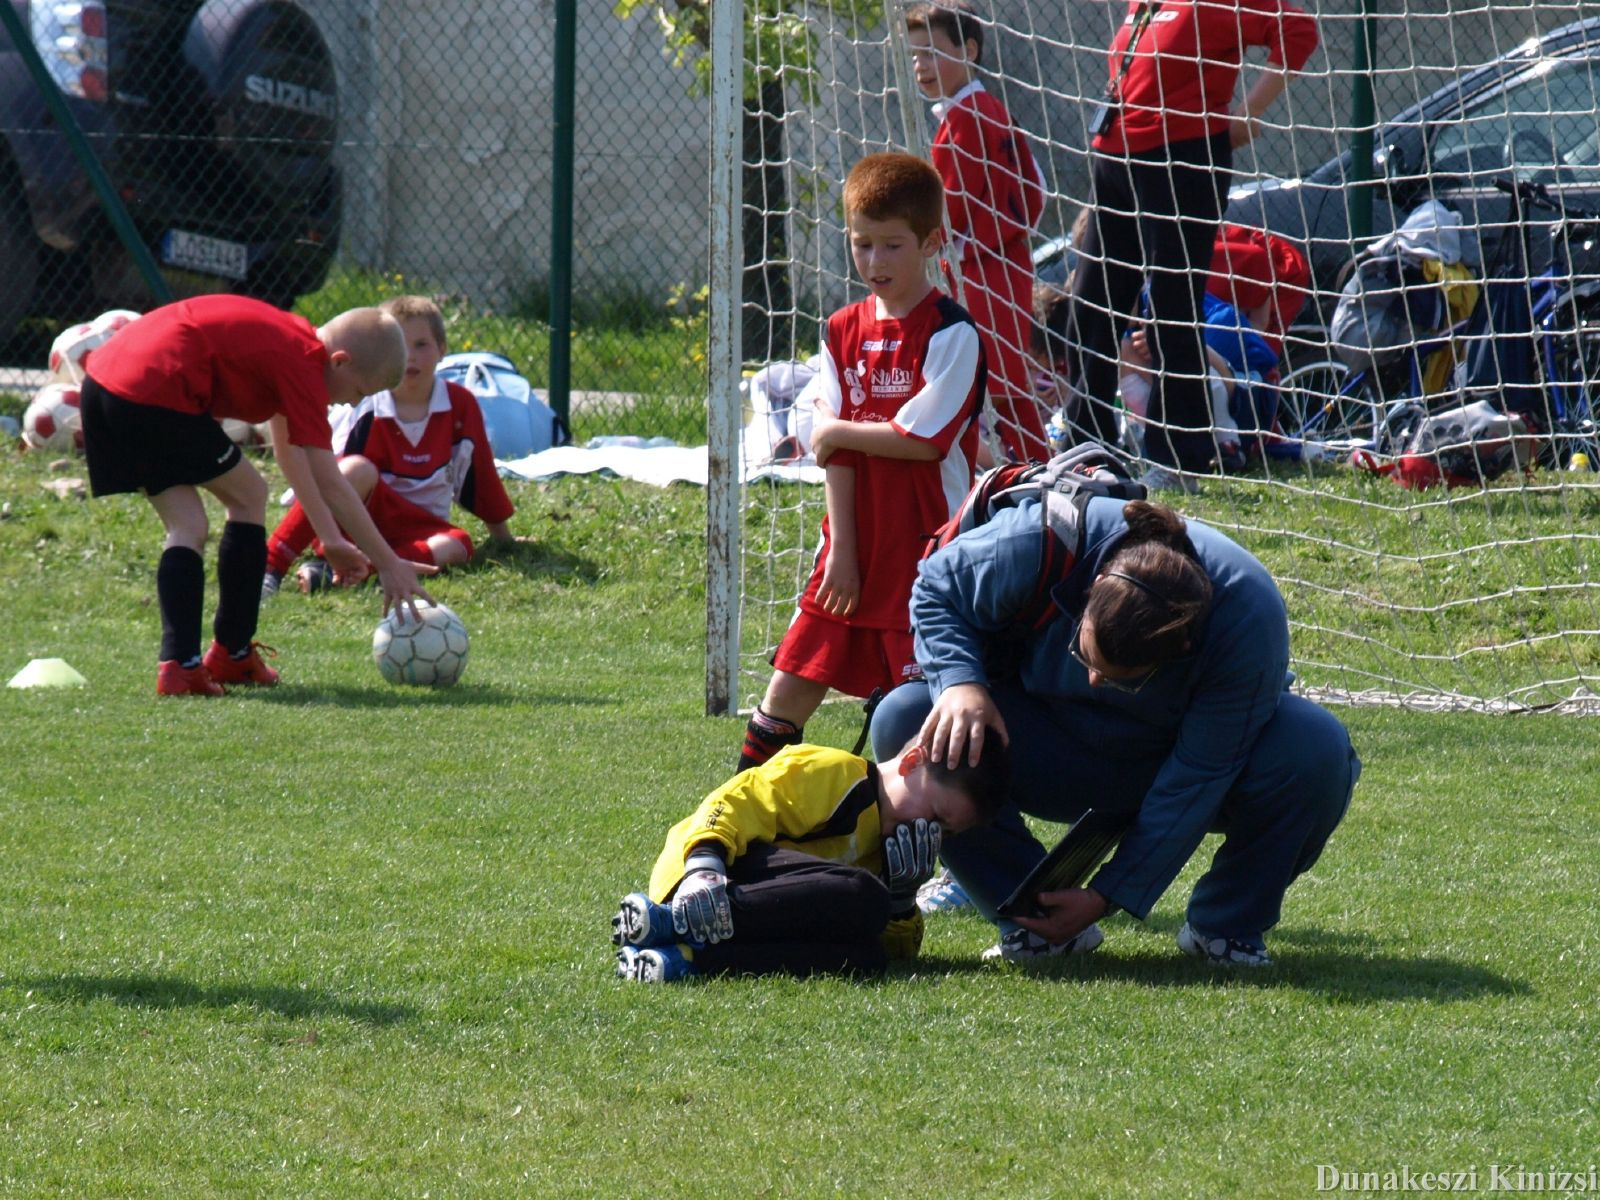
x,y
1481,596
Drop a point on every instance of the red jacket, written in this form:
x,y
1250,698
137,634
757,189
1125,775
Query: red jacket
x,y
993,189
1185,67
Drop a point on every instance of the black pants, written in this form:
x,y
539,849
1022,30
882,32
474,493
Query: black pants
x,y
1155,220
797,914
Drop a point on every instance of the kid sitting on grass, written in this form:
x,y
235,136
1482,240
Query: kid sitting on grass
x,y
409,453
807,864
896,432
152,406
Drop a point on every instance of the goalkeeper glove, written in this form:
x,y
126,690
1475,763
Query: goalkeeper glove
x,y
700,909
910,856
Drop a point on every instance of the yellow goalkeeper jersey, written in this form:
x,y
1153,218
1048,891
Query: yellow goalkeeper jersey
x,y
814,799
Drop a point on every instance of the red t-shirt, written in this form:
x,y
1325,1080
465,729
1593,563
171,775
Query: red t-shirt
x,y
993,187
924,375
1180,83
222,356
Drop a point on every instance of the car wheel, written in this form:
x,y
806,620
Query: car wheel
x,y
19,260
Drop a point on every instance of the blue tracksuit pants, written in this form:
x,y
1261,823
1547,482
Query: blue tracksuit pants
x,y
1291,794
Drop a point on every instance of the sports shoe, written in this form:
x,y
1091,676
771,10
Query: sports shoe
x,y
225,668
1020,945
271,581
641,923
1222,951
314,575
660,964
1165,479
175,679
942,894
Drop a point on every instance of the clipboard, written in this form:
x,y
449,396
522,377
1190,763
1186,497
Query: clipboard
x,y
1083,848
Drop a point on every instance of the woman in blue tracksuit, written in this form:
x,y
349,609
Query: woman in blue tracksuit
x,y
1159,689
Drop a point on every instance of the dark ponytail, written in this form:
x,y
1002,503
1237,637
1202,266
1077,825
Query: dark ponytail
x,y
1153,593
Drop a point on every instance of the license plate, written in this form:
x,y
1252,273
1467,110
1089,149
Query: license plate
x,y
196,252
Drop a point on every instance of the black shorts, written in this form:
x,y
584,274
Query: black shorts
x,y
142,448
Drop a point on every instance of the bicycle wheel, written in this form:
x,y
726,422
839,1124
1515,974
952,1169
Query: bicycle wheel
x,y
1572,389
1325,401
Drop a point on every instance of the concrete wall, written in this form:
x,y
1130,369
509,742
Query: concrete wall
x,y
447,127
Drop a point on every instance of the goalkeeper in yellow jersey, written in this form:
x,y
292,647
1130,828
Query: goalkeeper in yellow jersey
x,y
806,864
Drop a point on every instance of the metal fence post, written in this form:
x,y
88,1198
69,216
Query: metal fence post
x,y
561,175
723,540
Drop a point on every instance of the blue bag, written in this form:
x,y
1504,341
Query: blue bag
x,y
516,418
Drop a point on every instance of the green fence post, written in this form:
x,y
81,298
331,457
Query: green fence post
x,y
1358,195
116,211
561,214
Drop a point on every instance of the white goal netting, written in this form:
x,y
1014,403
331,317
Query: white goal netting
x,y
1456,351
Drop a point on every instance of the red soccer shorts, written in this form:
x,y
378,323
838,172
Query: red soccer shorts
x,y
847,657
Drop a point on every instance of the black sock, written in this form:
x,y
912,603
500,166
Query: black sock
x,y
764,736
180,594
241,562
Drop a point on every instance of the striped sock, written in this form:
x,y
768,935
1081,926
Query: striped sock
x,y
764,736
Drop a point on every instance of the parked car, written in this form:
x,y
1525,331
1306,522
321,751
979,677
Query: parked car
x,y
1530,114
216,123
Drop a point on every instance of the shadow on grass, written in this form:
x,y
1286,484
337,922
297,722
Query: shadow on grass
x,y
382,695
1345,967
533,558
165,991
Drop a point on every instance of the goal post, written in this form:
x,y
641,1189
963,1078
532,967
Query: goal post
x,y
1483,596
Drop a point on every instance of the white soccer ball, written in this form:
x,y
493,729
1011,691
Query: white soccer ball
x,y
53,420
431,651
73,343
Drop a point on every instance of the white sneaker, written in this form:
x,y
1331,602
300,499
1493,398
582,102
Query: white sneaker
x,y
942,894
1166,479
1222,951
1020,945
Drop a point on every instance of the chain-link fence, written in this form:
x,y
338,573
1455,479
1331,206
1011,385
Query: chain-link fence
x,y
335,152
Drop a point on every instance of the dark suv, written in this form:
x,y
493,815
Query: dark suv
x,y
1530,114
216,124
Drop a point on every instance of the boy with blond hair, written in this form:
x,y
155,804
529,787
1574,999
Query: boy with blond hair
x,y
153,401
897,404
409,453
995,195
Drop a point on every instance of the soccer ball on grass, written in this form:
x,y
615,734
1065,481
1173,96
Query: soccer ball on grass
x,y
53,419
431,650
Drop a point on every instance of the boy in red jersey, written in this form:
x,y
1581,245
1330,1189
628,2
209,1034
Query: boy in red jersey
x,y
410,453
995,194
152,406
897,404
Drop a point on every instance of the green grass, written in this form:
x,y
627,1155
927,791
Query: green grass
x,y
342,939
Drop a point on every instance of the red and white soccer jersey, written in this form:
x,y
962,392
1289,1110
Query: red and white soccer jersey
x,y
924,374
443,459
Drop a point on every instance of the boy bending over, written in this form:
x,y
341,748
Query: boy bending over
x,y
807,864
896,432
409,453
152,404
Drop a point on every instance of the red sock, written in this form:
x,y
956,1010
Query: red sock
x,y
289,540
764,736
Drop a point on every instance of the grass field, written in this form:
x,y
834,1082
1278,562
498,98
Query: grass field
x,y
342,939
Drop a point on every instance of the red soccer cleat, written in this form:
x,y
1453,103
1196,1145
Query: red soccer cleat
x,y
175,679
225,668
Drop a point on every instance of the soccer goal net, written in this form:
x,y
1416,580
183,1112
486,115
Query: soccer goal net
x,y
1416,463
